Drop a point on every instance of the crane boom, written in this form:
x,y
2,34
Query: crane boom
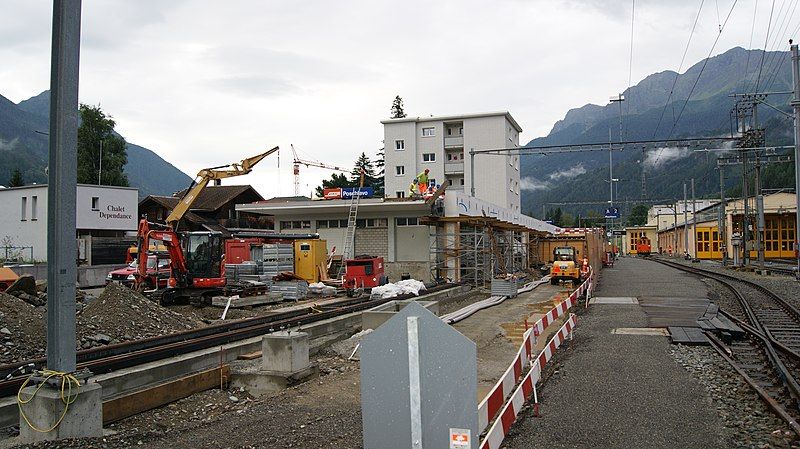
x,y
206,175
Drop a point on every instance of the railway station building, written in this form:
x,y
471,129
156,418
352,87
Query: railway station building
x,y
705,239
447,239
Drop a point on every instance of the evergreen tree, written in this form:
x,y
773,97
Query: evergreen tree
x,y
638,216
337,180
100,150
380,176
16,179
397,108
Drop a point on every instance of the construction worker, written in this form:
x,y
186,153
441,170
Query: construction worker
x,y
422,180
413,190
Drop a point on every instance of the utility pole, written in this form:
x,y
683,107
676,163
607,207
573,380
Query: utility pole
x,y
694,223
745,195
722,217
758,198
685,222
675,225
796,107
61,187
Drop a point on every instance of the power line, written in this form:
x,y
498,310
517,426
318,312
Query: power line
x,y
702,69
761,66
677,74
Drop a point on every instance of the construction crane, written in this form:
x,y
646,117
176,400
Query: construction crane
x,y
207,175
297,162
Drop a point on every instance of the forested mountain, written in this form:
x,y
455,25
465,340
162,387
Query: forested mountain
x,y
24,146
650,112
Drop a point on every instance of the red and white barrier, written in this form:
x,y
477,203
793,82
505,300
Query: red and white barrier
x,y
494,401
499,430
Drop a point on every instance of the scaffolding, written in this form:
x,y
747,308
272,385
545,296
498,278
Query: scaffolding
x,y
475,250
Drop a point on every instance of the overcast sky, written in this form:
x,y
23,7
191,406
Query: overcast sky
x,y
205,82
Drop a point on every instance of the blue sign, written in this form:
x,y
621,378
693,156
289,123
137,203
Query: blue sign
x,y
364,192
612,212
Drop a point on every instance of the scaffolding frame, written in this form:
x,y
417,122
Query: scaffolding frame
x,y
470,249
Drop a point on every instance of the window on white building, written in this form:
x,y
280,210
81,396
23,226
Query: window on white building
x,y
400,194
428,157
296,224
34,200
428,132
399,144
400,170
95,203
371,223
406,221
24,208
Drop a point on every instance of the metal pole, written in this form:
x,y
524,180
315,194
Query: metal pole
x,y
675,226
472,172
62,185
694,222
746,216
796,107
685,222
722,218
100,171
757,193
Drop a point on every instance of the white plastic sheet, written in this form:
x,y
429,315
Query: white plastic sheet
x,y
398,288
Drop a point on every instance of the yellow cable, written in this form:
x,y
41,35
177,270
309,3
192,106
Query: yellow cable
x,y
67,382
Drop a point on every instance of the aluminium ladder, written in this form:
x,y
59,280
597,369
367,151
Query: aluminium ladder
x,y
349,239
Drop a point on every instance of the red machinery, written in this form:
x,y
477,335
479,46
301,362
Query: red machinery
x,y
197,269
363,272
643,248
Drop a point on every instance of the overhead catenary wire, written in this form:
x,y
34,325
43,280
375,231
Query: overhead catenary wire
x,y
766,39
702,69
680,66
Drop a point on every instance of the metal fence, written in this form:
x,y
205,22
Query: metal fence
x,y
16,253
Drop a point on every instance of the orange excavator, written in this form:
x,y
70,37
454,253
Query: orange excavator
x,y
197,266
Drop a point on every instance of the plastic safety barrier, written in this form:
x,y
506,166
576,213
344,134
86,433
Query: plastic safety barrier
x,y
499,430
493,401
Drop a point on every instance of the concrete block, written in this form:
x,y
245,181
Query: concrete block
x,y
262,382
285,352
84,417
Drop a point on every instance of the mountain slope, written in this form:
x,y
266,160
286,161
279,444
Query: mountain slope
x,y
24,145
584,176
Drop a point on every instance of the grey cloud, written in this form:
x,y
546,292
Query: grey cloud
x,y
256,85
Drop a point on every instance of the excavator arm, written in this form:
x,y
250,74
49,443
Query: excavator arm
x,y
170,240
207,175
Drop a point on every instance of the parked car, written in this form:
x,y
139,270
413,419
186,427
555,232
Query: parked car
x,y
125,276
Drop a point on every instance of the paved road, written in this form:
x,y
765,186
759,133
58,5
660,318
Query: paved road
x,y
623,391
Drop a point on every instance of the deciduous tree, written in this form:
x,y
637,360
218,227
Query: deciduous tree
x,y
102,154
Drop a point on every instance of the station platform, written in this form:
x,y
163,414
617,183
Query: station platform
x,y
618,385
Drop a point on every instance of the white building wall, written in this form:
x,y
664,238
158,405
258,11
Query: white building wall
x,y
496,176
115,210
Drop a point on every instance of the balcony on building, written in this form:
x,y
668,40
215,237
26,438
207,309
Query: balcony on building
x,y
454,135
453,161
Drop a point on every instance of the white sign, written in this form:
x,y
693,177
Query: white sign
x,y
459,438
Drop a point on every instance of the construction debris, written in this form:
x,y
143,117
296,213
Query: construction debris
x,y
391,290
118,314
24,284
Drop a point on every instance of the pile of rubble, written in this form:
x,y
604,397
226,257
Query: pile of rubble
x,y
121,314
117,315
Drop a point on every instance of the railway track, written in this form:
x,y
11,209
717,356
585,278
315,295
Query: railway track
x,y
123,355
768,357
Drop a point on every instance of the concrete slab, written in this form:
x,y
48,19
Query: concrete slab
x,y
654,331
613,300
51,420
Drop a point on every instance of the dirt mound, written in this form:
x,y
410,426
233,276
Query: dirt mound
x,y
118,314
121,314
22,330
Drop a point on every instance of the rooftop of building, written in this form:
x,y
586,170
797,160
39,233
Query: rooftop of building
x,y
39,186
210,199
447,118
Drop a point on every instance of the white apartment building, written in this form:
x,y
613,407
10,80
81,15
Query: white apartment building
x,y
442,144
